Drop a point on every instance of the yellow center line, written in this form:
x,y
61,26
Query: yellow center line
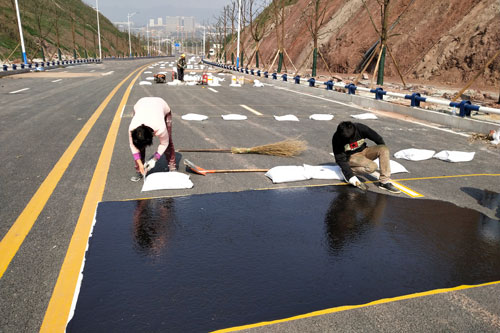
x,y
351,307
407,190
62,297
12,241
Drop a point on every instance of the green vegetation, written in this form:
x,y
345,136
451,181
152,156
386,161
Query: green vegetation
x,y
67,24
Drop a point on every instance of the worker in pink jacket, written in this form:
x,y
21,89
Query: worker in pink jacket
x,y
152,117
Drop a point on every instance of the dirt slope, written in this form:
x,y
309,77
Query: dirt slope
x,y
446,42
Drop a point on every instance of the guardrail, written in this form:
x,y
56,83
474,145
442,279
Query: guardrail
x,y
49,64
465,107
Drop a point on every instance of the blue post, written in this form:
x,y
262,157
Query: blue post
x,y
415,99
297,79
5,67
275,76
14,67
311,81
329,85
284,77
351,89
266,75
258,72
379,93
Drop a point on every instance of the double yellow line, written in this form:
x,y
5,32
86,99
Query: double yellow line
x,y
16,235
62,297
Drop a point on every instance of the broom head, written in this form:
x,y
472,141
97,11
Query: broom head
x,y
286,148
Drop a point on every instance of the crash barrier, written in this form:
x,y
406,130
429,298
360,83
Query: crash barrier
x,y
465,106
47,64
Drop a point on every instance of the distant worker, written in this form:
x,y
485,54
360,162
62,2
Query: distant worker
x,y
181,65
152,117
354,156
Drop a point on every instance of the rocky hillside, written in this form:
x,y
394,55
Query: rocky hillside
x,y
440,41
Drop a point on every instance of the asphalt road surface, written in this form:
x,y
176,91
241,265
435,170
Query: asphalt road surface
x,y
64,139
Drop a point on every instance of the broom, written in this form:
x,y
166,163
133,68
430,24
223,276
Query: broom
x,y
285,148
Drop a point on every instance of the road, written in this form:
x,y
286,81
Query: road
x,y
56,128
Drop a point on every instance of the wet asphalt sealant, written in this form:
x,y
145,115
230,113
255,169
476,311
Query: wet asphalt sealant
x,y
213,261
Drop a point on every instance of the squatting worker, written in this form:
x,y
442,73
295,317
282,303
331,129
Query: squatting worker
x,y
181,65
152,117
354,156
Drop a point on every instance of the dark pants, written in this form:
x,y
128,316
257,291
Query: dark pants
x,y
170,151
180,74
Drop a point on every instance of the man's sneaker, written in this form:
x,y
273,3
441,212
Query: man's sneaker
x,y
389,187
135,178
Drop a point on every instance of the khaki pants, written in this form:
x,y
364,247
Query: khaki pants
x,y
362,162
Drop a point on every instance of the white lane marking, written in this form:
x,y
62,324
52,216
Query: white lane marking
x,y
121,114
212,89
57,80
361,108
108,73
15,92
251,110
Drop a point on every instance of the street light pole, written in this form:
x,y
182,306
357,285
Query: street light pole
x,y
98,28
21,33
147,34
239,27
129,42
203,51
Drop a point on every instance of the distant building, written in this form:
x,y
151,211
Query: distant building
x,y
160,21
189,24
172,23
151,22
122,26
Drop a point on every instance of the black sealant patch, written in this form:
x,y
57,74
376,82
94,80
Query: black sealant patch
x,y
213,261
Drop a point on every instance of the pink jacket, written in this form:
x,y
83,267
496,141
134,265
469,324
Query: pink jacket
x,y
150,111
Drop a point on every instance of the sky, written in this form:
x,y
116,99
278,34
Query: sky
x,y
117,10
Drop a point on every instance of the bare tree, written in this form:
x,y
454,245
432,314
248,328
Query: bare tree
x,y
40,16
278,10
314,18
258,27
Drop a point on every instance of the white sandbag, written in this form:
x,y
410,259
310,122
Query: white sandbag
x,y
413,154
233,116
323,172
213,82
395,166
455,156
286,173
166,181
194,116
150,78
191,83
235,85
319,116
288,117
145,83
364,116
148,72
174,83
257,83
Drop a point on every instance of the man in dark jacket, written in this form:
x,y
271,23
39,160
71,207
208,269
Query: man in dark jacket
x,y
354,156
181,65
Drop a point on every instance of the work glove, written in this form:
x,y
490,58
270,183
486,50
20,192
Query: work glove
x,y
354,181
150,165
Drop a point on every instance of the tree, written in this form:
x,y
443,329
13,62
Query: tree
x,y
278,10
257,27
314,18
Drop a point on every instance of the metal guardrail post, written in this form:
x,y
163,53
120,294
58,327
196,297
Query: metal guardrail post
x,y
297,79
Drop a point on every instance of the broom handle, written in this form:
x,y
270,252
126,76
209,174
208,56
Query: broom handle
x,y
236,170
213,150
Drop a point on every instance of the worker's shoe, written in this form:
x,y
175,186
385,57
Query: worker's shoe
x,y
135,178
389,187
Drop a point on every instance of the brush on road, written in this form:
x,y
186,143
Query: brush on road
x,y
203,172
286,148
